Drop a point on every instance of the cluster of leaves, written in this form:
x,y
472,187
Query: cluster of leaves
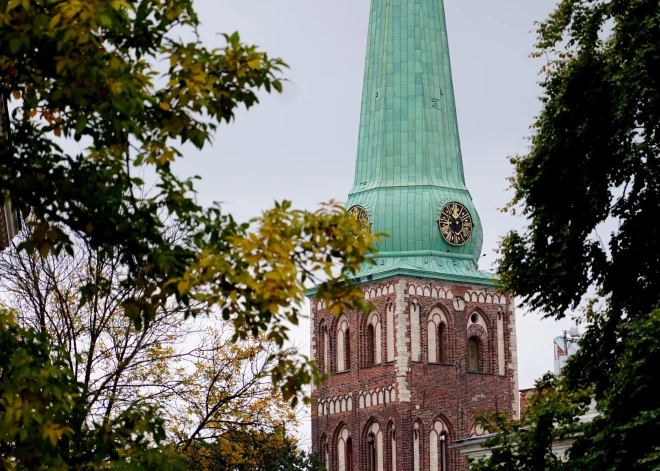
x,y
203,383
42,423
253,450
621,435
92,71
594,155
594,160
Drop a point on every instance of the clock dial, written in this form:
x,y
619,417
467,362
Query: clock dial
x,y
455,224
359,213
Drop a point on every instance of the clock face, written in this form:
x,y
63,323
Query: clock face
x,y
455,224
359,213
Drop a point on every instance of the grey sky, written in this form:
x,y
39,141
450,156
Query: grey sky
x,y
302,145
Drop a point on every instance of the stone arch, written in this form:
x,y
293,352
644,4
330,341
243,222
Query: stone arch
x,y
373,440
489,299
419,291
476,430
411,290
391,445
343,342
442,294
450,295
344,448
323,348
438,335
439,441
480,320
482,298
477,333
418,430
427,291
370,340
391,289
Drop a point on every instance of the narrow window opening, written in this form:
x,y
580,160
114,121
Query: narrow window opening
x,y
347,350
371,345
473,354
443,451
349,454
371,459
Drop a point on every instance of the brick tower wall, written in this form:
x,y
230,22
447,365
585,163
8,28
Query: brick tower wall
x,y
402,395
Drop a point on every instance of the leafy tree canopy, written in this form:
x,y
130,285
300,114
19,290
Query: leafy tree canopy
x,y
93,71
42,425
252,450
594,159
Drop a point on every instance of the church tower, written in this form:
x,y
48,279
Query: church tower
x,y
406,381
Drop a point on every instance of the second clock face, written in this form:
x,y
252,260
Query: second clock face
x,y
359,213
455,224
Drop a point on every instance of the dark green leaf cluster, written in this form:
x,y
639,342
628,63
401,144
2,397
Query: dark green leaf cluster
x,y
594,160
595,155
623,435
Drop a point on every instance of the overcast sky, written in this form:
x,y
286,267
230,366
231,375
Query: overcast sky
x,y
301,146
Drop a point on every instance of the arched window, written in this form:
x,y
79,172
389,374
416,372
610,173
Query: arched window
x,y
347,356
323,340
393,448
326,350
325,453
436,336
438,447
374,449
371,452
371,346
344,451
372,341
473,354
343,345
416,451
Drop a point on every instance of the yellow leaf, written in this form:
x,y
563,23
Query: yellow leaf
x,y
17,94
165,106
182,286
54,21
254,63
58,131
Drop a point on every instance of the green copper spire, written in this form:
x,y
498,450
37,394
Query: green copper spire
x,y
409,163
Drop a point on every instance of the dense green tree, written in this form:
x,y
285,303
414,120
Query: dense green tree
x,y
594,162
